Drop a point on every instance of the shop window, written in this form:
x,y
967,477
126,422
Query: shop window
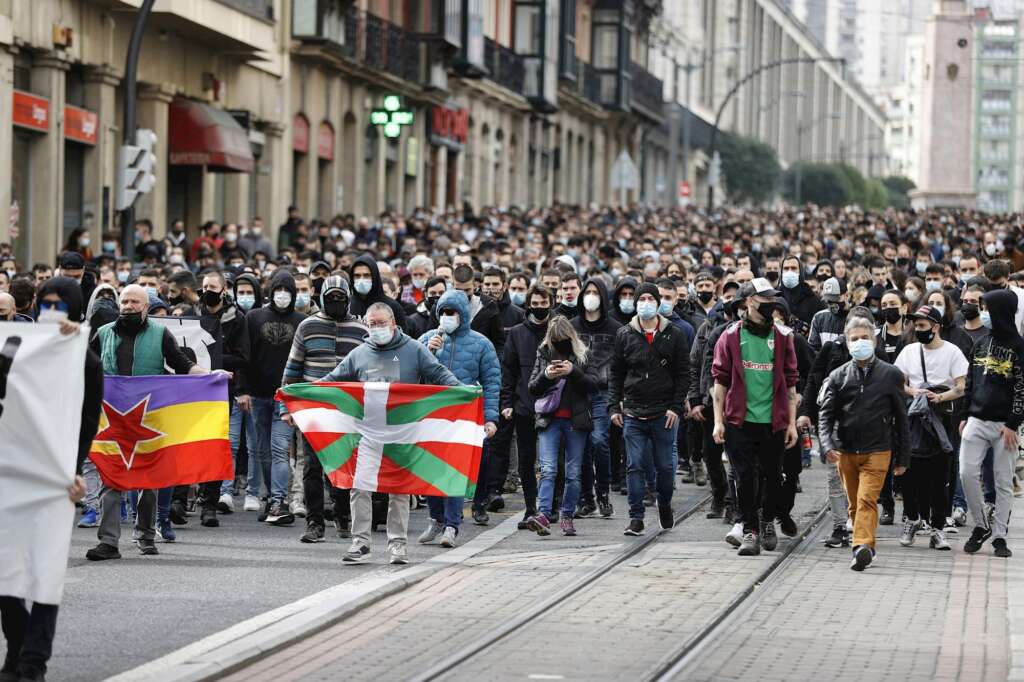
x,y
74,186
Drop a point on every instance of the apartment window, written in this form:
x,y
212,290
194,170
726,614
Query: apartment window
x,y
319,20
567,44
537,43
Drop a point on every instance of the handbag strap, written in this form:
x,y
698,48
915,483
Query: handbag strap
x,y
924,370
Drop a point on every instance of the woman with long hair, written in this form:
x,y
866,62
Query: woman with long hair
x,y
563,385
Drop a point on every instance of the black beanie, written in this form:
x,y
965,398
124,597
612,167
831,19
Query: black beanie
x,y
648,288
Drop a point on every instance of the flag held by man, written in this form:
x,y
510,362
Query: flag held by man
x,y
393,438
162,431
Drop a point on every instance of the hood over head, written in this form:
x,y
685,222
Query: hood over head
x,y
283,279
94,301
455,300
1002,307
70,292
623,283
602,292
376,292
251,280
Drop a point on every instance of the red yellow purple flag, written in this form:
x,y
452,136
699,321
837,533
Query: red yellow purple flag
x,y
162,431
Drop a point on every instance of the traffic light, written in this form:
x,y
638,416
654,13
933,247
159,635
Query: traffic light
x,y
392,117
135,168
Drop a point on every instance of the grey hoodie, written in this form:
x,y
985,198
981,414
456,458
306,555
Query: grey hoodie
x,y
402,360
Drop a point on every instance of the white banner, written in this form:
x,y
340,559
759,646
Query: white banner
x,y
41,389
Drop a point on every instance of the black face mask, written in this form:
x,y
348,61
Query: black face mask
x,y
970,310
212,298
432,302
767,311
177,300
705,296
540,314
892,315
925,336
563,348
771,275
336,309
130,323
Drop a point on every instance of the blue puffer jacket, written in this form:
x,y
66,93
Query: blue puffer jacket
x,y
468,354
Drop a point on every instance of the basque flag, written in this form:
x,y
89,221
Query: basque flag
x,y
162,431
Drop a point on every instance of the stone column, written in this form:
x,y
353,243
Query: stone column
x,y
6,144
46,232
272,180
101,161
152,112
236,197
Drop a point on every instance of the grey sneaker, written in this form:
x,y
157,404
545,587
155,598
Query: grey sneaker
x,y
448,537
768,537
938,540
397,553
751,545
862,557
910,529
356,553
700,474
431,533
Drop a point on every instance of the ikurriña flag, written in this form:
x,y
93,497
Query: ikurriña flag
x,y
393,438
162,431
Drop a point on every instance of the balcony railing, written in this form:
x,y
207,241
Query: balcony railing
x,y
505,67
383,46
646,90
587,84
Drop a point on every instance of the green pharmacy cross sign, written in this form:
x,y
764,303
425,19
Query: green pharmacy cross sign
x,y
393,117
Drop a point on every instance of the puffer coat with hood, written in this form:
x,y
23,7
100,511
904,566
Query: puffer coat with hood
x,y
360,302
270,338
599,336
469,355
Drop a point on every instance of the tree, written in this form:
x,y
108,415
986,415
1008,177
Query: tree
x,y
750,168
821,183
898,188
858,185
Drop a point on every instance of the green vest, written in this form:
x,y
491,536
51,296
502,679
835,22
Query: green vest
x,y
149,350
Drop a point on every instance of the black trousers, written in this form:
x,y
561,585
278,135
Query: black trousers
x,y
29,635
209,493
792,465
755,454
618,455
886,498
526,441
500,452
694,440
924,489
313,482
712,454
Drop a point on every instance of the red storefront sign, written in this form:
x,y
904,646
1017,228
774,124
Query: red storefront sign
x,y
80,125
325,142
449,126
31,111
300,134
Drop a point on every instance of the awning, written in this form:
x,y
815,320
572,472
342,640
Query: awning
x,y
201,135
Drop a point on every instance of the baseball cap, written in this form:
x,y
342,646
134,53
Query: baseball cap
x,y
759,286
928,312
832,289
703,276
71,260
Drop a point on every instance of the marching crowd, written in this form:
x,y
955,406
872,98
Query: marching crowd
x,y
615,348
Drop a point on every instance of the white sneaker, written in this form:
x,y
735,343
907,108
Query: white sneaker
x,y
252,503
431,533
959,516
448,537
735,536
397,553
849,525
950,526
226,503
298,509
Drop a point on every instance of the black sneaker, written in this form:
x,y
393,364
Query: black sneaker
x,y
605,508
649,499
717,510
665,516
862,557
635,527
102,552
265,512
977,539
1000,549
279,515
177,514
314,533
838,538
769,540
496,504
208,518
586,510
148,548
787,525
480,517
887,517
525,523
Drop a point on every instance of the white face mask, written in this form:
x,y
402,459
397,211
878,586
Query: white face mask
x,y
419,283
52,315
363,286
381,336
282,299
449,323
591,302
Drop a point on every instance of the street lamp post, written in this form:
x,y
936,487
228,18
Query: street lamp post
x,y
740,83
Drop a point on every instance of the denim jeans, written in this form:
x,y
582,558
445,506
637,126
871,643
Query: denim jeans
x,y
273,439
239,420
560,432
648,445
597,460
446,510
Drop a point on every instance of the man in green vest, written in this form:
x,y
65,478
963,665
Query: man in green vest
x,y
131,346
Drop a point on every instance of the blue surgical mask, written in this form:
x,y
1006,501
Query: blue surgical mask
x,y
301,299
647,309
862,349
449,323
921,267
940,308
381,336
517,297
986,319
123,275
933,285
363,286
626,306
246,301
790,279
665,308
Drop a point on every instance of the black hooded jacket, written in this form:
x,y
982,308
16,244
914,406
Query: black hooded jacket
x,y
598,335
802,302
70,293
995,377
359,303
235,345
270,339
517,360
616,312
